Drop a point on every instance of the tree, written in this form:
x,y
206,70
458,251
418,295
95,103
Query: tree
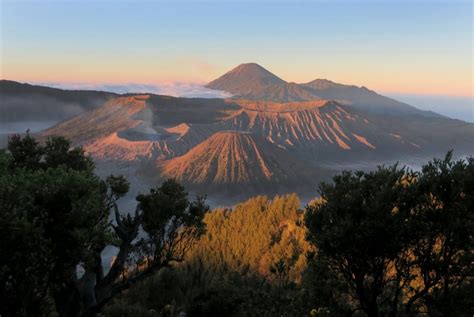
x,y
54,218
170,223
353,232
397,238
51,215
442,225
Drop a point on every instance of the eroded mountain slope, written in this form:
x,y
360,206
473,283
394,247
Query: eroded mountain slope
x,y
233,160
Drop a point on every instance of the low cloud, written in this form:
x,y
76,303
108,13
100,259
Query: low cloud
x,y
176,89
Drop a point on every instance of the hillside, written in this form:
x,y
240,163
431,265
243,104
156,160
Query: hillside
x,y
25,102
134,126
231,160
363,98
253,236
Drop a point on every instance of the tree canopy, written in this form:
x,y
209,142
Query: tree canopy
x,y
397,239
54,218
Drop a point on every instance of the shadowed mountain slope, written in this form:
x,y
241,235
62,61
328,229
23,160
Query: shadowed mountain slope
x,y
362,98
24,102
118,114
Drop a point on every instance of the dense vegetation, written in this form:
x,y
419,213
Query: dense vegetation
x,y
395,242
391,242
54,222
255,236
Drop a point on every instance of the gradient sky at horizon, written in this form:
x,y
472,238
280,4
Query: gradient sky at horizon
x,y
416,47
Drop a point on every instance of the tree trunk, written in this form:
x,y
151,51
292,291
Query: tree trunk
x,y
67,300
87,290
368,303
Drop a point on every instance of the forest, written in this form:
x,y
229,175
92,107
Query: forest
x,y
389,242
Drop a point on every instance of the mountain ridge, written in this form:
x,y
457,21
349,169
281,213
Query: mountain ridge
x,y
241,82
241,161
273,147
23,101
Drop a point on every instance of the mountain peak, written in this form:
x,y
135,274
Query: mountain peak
x,y
254,70
245,78
252,67
252,81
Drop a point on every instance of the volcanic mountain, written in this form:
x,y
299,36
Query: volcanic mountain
x,y
252,81
239,161
245,78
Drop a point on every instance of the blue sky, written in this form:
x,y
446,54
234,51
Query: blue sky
x,y
410,47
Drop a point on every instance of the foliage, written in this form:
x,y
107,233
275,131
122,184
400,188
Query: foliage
x,y
54,218
52,215
246,264
441,226
199,291
254,236
396,239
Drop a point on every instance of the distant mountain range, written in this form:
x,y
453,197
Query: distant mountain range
x,y
271,137
251,81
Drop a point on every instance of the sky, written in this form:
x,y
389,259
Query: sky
x,y
394,47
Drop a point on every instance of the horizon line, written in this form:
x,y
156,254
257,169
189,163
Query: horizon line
x,y
202,83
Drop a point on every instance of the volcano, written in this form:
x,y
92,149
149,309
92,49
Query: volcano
x,y
236,160
252,81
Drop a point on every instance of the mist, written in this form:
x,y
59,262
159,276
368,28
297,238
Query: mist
x,y
35,108
22,126
176,89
